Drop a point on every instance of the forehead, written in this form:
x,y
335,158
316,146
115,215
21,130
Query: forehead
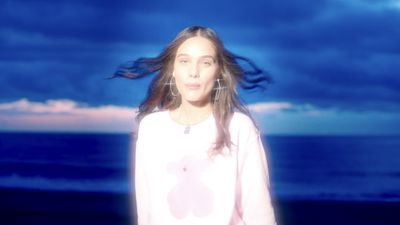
x,y
196,47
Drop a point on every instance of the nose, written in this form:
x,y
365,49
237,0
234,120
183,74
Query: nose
x,y
194,70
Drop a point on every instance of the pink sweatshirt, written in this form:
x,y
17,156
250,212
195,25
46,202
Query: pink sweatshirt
x,y
177,182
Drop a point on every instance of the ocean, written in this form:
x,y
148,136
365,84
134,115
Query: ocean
x,y
357,168
48,175
59,161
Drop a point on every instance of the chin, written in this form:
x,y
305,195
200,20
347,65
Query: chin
x,y
196,101
192,98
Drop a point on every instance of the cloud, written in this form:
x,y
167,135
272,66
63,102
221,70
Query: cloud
x,y
68,115
65,115
344,57
330,54
311,120
272,117
269,107
51,106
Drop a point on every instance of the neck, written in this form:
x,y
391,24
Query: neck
x,y
190,114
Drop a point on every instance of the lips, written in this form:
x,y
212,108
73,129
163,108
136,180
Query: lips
x,y
192,86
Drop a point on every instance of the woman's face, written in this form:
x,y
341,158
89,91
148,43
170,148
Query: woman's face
x,y
195,70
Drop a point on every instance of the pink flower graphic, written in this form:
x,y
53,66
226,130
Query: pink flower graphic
x,y
189,195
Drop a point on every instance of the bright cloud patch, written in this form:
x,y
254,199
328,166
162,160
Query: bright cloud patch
x,y
68,115
65,115
50,106
269,107
272,117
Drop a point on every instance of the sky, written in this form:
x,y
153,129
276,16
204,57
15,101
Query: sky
x,y
335,63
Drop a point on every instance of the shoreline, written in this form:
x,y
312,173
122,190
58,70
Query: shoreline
x,y
42,207
337,212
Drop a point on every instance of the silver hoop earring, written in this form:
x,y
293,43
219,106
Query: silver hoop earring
x,y
218,89
171,83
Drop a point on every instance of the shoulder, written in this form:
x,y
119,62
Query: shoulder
x,y
242,120
149,124
242,125
154,115
154,118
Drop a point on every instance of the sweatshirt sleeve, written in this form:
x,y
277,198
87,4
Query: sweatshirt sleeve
x,y
141,190
255,199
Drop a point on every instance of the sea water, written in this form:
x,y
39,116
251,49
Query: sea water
x,y
354,168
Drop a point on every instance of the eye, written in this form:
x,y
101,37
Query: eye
x,y
183,61
207,62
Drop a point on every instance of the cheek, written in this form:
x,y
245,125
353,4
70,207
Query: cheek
x,y
209,84
210,76
179,73
178,81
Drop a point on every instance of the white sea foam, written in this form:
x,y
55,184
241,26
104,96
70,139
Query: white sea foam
x,y
60,184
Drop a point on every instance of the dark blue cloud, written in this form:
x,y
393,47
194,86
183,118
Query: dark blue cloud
x,y
327,53
59,20
346,59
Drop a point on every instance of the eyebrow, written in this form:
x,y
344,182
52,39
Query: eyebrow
x,y
204,56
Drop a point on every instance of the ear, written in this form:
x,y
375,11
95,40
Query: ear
x,y
173,74
219,74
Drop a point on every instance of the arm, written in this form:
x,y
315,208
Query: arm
x,y
141,190
255,199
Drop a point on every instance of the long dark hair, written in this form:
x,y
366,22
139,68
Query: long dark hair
x,y
159,95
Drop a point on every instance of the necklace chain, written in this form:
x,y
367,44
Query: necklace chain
x,y
187,129
185,119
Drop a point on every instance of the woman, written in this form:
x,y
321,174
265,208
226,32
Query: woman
x,y
199,158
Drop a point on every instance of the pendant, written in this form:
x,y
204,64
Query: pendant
x,y
187,130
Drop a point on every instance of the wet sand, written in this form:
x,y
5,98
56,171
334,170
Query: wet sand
x,y
35,207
